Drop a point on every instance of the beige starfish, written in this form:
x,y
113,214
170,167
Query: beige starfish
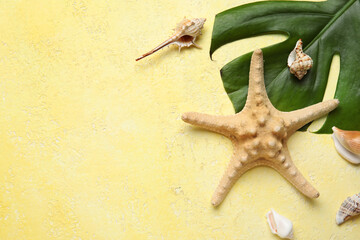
x,y
259,134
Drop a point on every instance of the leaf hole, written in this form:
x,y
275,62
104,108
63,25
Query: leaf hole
x,y
329,91
235,49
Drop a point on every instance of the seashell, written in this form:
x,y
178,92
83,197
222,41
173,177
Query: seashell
x,y
185,35
298,61
280,225
347,144
349,208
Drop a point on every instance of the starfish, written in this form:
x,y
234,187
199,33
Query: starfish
x,y
259,134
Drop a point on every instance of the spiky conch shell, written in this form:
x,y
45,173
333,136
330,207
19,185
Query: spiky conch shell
x,y
349,208
347,144
280,225
299,62
185,35
190,27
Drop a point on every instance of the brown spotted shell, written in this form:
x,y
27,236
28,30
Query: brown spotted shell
x,y
299,62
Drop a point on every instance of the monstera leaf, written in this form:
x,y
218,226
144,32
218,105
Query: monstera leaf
x,y
326,28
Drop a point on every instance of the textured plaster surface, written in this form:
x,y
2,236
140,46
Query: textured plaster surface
x,y
92,145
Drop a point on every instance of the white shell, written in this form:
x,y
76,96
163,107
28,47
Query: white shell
x,y
349,208
185,35
280,225
347,144
299,62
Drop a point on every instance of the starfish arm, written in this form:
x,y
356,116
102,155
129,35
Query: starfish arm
x,y
257,92
235,169
285,166
219,124
297,119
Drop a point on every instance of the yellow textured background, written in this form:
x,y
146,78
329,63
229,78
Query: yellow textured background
x,y
92,145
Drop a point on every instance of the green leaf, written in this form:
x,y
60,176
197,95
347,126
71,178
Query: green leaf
x,y
326,28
